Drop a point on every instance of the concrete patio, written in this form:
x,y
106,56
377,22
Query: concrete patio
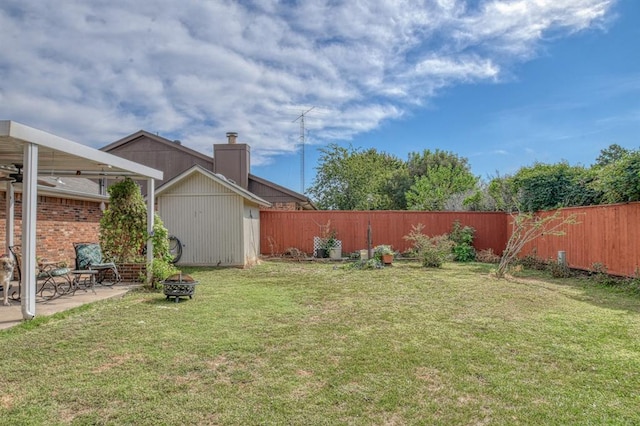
x,y
12,315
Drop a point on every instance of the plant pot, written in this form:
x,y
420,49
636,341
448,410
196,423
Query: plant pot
x,y
321,253
387,259
335,253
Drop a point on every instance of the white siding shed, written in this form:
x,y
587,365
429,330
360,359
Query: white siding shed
x,y
217,221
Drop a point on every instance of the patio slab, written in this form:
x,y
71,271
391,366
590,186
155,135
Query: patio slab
x,y
12,315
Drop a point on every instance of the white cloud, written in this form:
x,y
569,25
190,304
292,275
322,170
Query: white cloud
x,y
193,70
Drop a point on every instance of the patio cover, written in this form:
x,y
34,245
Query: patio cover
x,y
42,153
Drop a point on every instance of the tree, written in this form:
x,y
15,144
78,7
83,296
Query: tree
x,y
123,226
419,165
549,186
619,181
501,190
349,179
123,230
611,154
526,227
432,190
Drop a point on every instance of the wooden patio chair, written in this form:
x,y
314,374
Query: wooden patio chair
x,y
52,278
89,257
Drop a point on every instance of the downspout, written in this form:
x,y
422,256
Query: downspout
x,y
29,208
10,216
150,217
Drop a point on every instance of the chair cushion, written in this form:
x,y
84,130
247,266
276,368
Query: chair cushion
x,y
57,272
88,255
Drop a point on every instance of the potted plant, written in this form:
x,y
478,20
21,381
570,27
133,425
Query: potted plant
x,y
328,244
384,253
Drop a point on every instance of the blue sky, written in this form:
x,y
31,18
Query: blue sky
x,y
503,83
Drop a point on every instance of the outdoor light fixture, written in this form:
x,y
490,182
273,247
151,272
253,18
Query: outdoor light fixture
x,y
58,179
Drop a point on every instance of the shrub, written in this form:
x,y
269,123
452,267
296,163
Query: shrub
x,y
487,256
294,253
432,251
462,238
436,252
417,239
531,261
161,270
559,270
372,263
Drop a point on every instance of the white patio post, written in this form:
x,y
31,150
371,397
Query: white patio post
x,y
150,216
29,208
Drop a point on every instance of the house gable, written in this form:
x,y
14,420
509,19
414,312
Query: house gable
x,y
195,184
197,180
154,151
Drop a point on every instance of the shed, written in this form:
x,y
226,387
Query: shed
x,y
217,221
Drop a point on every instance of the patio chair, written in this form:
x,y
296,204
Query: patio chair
x,y
52,278
89,257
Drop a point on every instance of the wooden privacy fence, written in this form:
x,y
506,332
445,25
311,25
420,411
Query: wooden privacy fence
x,y
280,230
608,235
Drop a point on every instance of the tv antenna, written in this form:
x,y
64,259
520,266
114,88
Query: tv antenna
x,y
301,119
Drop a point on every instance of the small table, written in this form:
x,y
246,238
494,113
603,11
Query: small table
x,y
84,279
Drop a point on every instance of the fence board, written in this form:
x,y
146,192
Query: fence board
x,y
607,234
280,230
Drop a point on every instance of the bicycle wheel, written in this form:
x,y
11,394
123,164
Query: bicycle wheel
x,y
175,248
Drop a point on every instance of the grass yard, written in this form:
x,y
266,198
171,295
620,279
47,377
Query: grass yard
x,y
310,344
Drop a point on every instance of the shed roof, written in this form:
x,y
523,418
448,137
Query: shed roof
x,y
218,178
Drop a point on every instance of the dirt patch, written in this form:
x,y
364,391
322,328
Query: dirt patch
x,y
115,361
7,401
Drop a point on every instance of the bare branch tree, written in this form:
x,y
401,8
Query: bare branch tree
x,y
526,227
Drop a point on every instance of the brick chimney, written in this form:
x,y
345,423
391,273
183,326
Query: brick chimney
x,y
232,160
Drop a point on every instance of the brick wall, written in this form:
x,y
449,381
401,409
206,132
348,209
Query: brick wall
x,y
132,272
282,206
60,223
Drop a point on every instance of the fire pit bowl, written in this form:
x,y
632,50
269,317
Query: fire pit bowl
x,y
179,285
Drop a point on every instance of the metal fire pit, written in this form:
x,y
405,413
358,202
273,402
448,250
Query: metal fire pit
x,y
179,285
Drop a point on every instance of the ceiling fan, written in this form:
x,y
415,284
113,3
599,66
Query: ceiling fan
x,y
15,175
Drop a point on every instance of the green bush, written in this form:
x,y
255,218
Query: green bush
x,y
161,270
378,251
372,263
432,251
123,231
436,252
462,238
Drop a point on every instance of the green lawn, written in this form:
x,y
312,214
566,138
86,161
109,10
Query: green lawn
x,y
314,344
